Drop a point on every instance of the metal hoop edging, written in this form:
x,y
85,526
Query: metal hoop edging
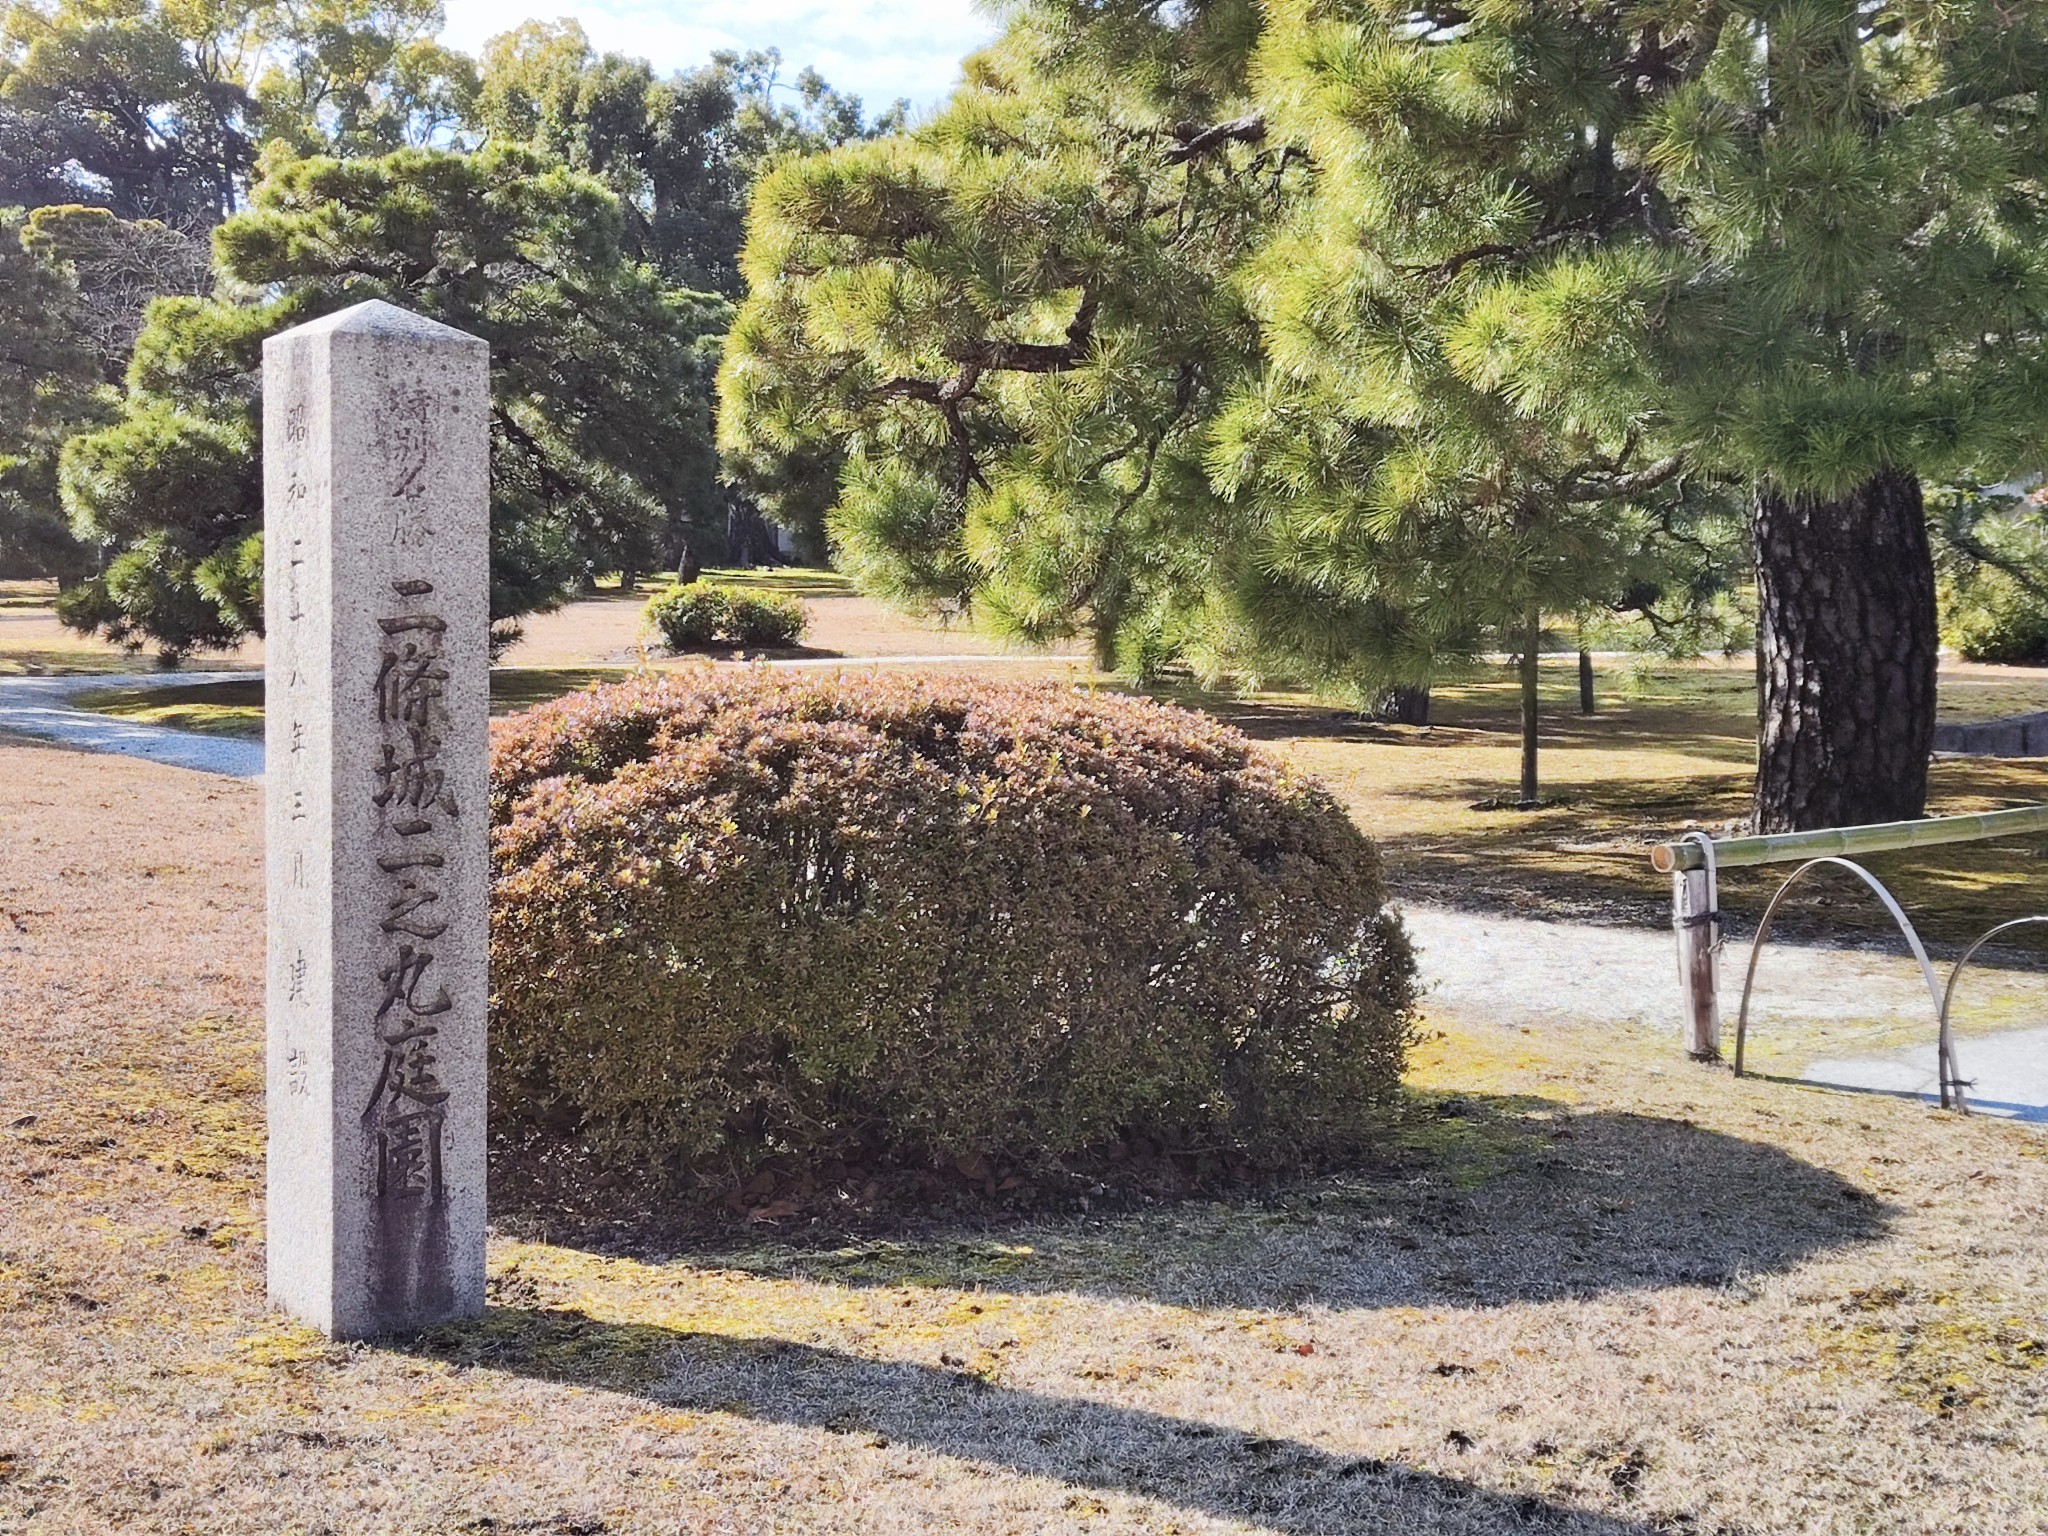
x,y
1951,1083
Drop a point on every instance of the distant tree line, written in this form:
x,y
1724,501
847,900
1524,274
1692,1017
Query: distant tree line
x,y
178,181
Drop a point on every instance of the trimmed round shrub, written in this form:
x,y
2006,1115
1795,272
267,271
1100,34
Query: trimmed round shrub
x,y
768,618
701,613
743,916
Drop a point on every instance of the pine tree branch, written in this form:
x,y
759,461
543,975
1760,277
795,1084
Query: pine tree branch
x,y
990,356
1601,218
1619,487
1965,538
1194,139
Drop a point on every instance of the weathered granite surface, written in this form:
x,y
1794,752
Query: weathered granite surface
x,y
376,494
2013,736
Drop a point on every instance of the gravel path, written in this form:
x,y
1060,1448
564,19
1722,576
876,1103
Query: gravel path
x,y
41,707
1513,970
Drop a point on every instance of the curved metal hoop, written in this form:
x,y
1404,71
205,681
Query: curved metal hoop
x,y
1948,995
1951,1085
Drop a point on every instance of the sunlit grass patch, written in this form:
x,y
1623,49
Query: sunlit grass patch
x,y
235,707
58,661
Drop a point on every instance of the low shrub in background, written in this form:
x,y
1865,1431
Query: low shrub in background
x,y
1991,550
1988,616
740,917
700,613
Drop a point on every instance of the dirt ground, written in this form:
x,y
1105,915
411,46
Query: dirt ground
x,y
1591,1288
602,630
1670,749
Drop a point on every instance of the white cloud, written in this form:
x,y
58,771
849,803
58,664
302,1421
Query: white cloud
x,y
881,49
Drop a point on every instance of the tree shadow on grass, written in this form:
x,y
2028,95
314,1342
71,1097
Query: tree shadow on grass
x,y
1272,1485
1480,1202
1699,732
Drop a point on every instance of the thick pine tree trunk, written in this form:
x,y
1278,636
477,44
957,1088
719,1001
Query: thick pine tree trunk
x,y
1846,650
1404,705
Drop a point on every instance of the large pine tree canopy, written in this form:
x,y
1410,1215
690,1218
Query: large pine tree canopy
x,y
1337,338
1344,333
1463,314
1862,188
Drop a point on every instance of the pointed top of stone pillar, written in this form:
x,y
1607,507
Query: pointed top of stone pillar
x,y
376,318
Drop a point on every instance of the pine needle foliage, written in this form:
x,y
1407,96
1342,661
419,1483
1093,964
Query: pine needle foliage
x,y
1457,428
1865,189
983,354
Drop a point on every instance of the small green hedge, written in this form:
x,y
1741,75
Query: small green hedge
x,y
1991,617
748,916
702,613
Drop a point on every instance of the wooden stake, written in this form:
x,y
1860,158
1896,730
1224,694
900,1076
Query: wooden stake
x,y
1698,926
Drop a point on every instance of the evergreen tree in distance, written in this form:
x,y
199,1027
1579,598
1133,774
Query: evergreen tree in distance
x,y
600,375
47,378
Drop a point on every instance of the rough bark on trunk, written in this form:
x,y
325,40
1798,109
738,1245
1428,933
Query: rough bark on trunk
x,y
1532,642
1846,652
1402,706
1585,682
749,538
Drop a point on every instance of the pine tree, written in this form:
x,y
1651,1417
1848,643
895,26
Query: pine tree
x,y
982,355
47,373
1864,187
1014,360
1457,431
600,426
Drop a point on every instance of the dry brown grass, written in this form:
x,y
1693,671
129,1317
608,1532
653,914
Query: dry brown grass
x,y
1671,749
601,630
1593,1289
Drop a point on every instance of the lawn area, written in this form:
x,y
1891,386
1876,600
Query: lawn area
x,y
1669,750
1586,1287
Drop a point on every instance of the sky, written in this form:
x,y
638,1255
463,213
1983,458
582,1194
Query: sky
x,y
878,49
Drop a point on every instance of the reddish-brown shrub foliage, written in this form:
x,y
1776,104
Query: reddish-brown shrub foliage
x,y
745,914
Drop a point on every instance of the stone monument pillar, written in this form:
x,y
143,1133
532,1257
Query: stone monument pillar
x,y
376,606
